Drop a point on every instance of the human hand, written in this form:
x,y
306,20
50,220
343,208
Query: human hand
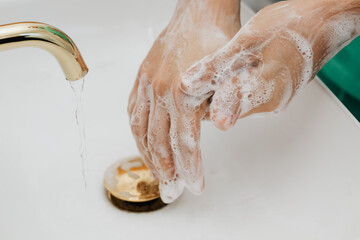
x,y
166,122
272,57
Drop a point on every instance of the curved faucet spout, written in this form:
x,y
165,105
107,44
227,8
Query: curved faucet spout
x,y
35,34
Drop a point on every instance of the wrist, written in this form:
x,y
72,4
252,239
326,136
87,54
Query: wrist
x,y
224,14
332,7
225,7
344,5
330,25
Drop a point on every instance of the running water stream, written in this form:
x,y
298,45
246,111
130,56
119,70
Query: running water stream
x,y
78,88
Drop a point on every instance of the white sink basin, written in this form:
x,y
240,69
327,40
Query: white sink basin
x,y
293,176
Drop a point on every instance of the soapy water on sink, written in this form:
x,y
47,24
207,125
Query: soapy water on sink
x,y
78,88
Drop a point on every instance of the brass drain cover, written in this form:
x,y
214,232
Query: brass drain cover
x,y
131,186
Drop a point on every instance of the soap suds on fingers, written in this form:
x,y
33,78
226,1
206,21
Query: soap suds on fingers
x,y
237,75
166,122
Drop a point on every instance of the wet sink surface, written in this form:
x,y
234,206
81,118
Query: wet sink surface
x,y
292,176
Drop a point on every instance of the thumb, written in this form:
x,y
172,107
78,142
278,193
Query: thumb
x,y
201,78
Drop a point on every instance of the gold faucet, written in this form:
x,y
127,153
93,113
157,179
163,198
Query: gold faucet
x,y
41,35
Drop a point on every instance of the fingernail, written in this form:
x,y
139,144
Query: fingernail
x,y
197,186
228,123
183,87
170,190
191,73
189,77
223,123
193,69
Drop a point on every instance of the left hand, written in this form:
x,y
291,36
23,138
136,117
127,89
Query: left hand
x,y
166,122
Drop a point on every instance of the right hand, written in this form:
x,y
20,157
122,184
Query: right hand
x,y
272,57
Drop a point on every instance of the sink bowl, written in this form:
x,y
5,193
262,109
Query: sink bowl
x,y
291,176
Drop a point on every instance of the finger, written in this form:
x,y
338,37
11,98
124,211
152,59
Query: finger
x,y
241,92
140,111
233,101
159,143
185,143
162,155
139,119
146,155
141,78
208,74
170,190
151,166
201,78
225,106
139,125
133,97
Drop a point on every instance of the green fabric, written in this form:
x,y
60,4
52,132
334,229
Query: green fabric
x,y
342,75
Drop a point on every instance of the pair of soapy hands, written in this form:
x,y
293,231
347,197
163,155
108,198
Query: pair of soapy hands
x,y
203,66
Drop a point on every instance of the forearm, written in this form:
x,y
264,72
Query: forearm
x,y
219,13
329,25
226,5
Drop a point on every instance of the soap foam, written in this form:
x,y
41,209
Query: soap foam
x,y
305,49
340,30
178,111
234,72
233,75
